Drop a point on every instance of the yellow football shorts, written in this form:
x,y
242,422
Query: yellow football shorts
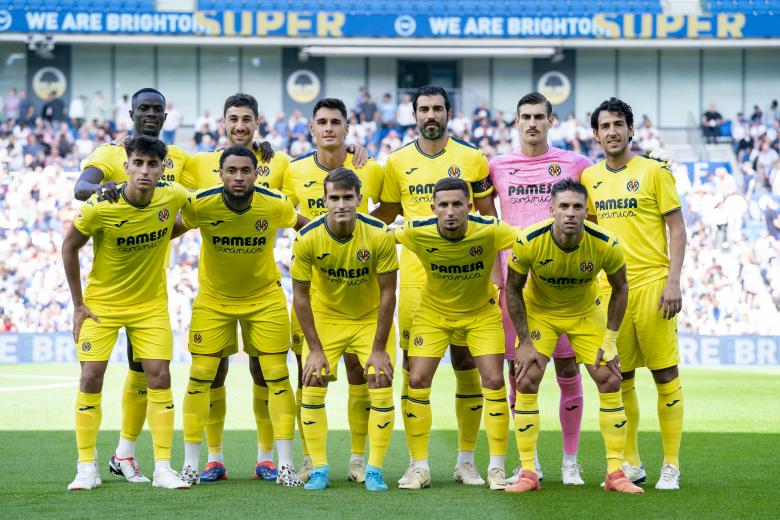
x,y
432,332
148,328
409,297
265,325
296,333
349,338
645,338
585,333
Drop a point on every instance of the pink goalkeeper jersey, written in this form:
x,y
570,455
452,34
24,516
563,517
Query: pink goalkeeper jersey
x,y
524,184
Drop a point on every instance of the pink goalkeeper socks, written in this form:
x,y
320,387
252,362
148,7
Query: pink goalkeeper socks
x,y
570,412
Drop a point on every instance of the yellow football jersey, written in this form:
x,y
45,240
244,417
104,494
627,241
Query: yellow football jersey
x,y
410,175
303,183
130,244
343,274
564,281
237,249
202,170
631,203
457,272
110,159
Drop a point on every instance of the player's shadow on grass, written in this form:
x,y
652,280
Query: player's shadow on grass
x,y
723,475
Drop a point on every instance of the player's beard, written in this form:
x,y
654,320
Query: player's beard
x,y
431,133
238,200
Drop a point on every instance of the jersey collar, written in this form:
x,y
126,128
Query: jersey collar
x,y
224,201
420,150
452,240
559,246
337,239
122,192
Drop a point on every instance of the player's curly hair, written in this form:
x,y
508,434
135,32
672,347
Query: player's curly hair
x,y
146,145
241,100
569,185
615,105
343,178
241,151
451,183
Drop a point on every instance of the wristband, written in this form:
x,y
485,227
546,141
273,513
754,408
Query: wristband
x,y
609,344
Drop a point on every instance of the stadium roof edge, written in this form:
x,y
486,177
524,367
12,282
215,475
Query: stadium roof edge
x,y
412,43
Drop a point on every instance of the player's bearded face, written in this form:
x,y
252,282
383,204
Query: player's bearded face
x,y
238,175
143,171
432,116
240,124
452,209
533,123
148,114
341,202
569,210
613,133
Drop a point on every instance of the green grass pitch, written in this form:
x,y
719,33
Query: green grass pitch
x,y
730,457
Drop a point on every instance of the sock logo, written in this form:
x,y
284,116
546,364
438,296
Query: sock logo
x,y
673,403
383,426
169,407
410,414
309,423
475,408
85,408
496,414
570,408
280,392
524,429
620,424
195,392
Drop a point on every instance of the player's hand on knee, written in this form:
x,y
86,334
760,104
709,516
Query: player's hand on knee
x,y
670,301
613,364
360,155
383,369
315,369
526,357
80,314
108,191
265,149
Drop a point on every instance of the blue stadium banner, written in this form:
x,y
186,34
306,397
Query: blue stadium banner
x,y
700,171
335,24
694,350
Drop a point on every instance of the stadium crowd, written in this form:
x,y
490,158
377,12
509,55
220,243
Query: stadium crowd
x,y
731,275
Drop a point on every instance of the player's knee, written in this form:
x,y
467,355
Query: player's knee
x,y
493,381
91,381
628,375
566,368
462,358
665,375
610,384
355,375
418,381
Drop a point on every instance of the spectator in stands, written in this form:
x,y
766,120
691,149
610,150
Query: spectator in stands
x,y
647,136
483,131
172,123
298,125
54,109
772,217
710,124
404,115
11,105
202,131
207,119
122,113
26,108
460,125
84,144
300,146
387,111
282,130
77,111
96,108
481,112
757,114
369,112
764,158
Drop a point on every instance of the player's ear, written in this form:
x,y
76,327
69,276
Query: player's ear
x,y
470,206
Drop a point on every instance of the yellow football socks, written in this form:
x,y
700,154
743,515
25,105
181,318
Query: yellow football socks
x,y
133,405
381,420
88,416
265,431
418,430
160,414
281,401
358,409
670,417
215,424
527,428
631,404
315,424
468,407
195,408
298,399
496,420
612,422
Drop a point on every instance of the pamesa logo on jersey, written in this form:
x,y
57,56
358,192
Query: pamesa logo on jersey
x,y
476,250
86,346
632,185
454,171
363,255
261,224
163,215
263,170
554,169
586,266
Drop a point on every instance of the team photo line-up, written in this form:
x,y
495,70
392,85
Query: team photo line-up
x,y
527,287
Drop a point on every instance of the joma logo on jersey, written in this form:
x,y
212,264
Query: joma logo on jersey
x,y
263,170
163,215
475,250
418,341
197,338
363,255
142,238
586,266
607,204
168,163
86,346
342,272
554,169
261,224
421,189
531,189
454,171
632,185
535,334
237,241
465,268
316,203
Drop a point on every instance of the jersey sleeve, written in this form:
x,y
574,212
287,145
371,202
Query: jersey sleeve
x,y
582,163
104,158
391,193
506,235
520,259
665,189
614,259
88,221
301,263
482,186
404,236
288,187
189,213
387,257
189,175
181,193
376,177
585,180
288,216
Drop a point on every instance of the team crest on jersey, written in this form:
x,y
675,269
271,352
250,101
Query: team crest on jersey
x,y
363,255
263,170
454,171
406,334
514,258
261,224
586,266
554,170
168,163
535,334
475,250
163,215
297,339
86,346
197,338
418,341
632,185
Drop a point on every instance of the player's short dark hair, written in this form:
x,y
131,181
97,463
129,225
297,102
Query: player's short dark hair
x,y
145,145
431,90
144,91
241,100
569,185
329,102
241,151
615,105
343,178
451,183
535,98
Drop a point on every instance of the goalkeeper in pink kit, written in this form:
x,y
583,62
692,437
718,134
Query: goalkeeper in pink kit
x,y
523,180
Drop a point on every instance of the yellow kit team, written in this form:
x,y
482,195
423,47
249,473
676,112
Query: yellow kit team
x,y
344,270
